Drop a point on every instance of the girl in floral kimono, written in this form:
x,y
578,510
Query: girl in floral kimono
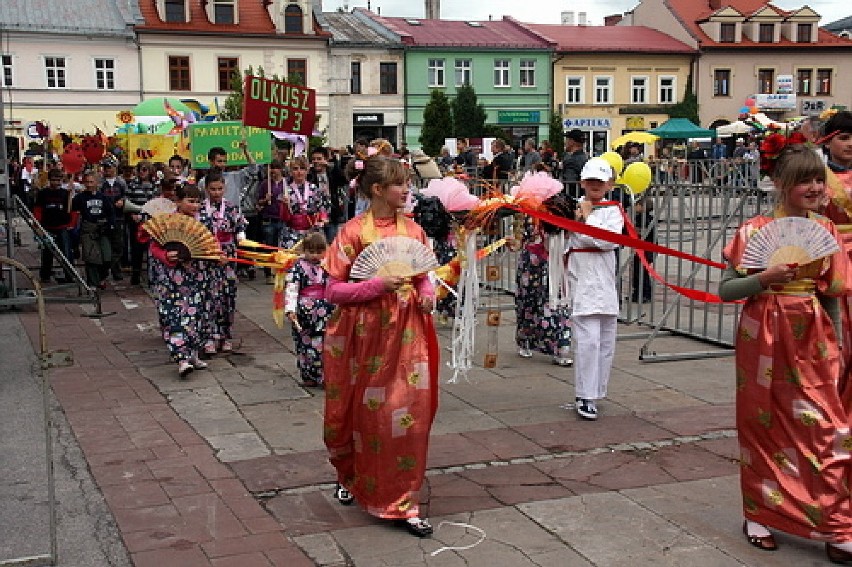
x,y
228,225
307,308
380,359
181,290
793,430
304,205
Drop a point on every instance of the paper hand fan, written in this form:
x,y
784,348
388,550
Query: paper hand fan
x,y
158,206
788,240
393,256
183,234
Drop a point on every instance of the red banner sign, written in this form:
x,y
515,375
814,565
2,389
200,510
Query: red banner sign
x,y
279,106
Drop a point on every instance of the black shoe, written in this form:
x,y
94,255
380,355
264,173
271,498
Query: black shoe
x,y
836,555
343,496
419,527
587,409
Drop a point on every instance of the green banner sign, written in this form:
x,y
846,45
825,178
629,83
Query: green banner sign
x,y
518,116
206,135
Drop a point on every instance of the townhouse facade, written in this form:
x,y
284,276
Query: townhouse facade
x,y
366,64
71,68
750,48
508,66
612,80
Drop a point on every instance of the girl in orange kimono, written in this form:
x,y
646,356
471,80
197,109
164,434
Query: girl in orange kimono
x,y
380,359
792,427
837,141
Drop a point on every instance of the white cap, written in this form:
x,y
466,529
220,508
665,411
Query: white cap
x,y
597,168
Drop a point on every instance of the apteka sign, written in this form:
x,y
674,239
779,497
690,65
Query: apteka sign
x,y
279,106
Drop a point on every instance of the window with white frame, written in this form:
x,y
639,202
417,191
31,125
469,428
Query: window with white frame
x,y
464,72
105,74
502,73
225,11
603,90
436,73
174,10
574,90
6,77
54,68
527,72
667,89
638,90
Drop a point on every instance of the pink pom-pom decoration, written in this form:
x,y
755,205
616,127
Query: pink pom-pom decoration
x,y
371,151
359,164
540,185
452,193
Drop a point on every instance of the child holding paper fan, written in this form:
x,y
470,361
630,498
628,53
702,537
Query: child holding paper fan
x,y
380,358
307,308
791,424
181,289
228,225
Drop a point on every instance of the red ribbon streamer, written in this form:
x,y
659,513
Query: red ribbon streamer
x,y
632,240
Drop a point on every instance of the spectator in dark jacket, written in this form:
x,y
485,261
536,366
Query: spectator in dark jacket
x,y
501,164
573,161
330,180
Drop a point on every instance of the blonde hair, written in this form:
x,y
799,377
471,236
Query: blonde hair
x,y
298,160
382,146
313,243
796,164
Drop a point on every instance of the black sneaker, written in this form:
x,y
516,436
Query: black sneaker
x,y
587,409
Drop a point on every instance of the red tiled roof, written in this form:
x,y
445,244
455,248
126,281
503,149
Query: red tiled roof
x,y
691,12
253,18
505,33
580,39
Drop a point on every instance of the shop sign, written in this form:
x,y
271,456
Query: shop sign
x,y
375,119
587,123
784,84
775,101
813,106
518,116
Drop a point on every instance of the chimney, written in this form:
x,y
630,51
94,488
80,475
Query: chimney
x,y
715,4
567,18
581,19
613,19
433,9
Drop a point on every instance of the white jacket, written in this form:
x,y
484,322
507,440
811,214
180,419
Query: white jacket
x,y
592,275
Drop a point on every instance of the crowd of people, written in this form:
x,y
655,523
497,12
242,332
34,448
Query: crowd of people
x,y
792,353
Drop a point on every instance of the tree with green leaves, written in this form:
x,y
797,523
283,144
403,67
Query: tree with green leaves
x,y
688,107
556,133
232,108
468,115
437,123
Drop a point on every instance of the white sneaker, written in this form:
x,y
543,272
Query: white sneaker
x,y
524,352
198,364
185,368
563,361
587,409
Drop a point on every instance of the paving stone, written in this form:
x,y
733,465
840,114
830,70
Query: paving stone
x,y
256,559
505,443
288,427
454,449
247,544
452,494
285,471
314,512
171,558
140,494
579,435
687,421
238,446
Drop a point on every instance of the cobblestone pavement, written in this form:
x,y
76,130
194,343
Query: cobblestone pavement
x,y
228,467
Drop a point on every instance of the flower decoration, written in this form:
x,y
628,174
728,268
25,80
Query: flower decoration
x,y
773,145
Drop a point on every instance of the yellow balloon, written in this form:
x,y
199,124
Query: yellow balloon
x,y
637,177
614,160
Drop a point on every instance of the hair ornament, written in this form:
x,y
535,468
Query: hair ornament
x,y
371,151
826,114
359,165
773,145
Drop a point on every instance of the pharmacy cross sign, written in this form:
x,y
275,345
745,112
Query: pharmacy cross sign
x,y
274,105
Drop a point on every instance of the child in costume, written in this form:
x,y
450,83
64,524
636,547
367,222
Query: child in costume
x,y
305,206
593,291
792,427
228,225
181,288
307,308
380,359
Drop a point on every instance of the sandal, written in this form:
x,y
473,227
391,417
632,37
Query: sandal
x,y
417,526
343,496
766,543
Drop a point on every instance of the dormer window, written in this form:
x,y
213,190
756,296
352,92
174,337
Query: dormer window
x,y
224,11
293,19
803,33
727,33
174,10
767,33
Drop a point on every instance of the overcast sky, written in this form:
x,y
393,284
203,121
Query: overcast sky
x,y
548,11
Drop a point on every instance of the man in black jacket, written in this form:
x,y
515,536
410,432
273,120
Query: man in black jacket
x,y
332,181
573,161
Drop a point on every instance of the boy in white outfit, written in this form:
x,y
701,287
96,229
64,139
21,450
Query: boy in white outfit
x,y
592,285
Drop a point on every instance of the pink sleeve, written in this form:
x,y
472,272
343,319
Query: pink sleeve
x,y
159,253
345,293
424,286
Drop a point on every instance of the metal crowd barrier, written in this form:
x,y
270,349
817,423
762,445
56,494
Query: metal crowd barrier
x,y
697,206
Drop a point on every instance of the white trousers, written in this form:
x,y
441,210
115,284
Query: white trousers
x,y
594,348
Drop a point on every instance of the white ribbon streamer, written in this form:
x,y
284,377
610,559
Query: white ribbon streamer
x,y
464,324
482,537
